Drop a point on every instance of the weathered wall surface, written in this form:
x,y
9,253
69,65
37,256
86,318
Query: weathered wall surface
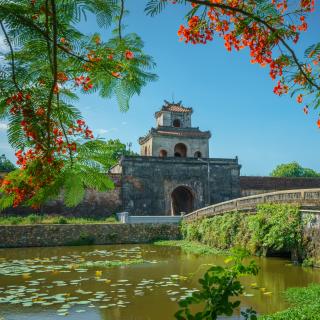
x,y
168,142
95,204
60,235
255,185
148,182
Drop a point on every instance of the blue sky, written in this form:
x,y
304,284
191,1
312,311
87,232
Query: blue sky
x,y
231,97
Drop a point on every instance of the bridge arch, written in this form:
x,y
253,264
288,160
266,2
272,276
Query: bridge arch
x,y
182,200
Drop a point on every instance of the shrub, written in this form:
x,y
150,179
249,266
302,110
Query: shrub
x,y
274,228
34,219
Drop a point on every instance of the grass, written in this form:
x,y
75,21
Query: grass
x,y
51,219
110,264
305,305
191,247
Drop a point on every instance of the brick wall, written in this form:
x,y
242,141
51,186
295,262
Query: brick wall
x,y
256,185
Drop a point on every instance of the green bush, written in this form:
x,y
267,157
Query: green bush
x,y
277,227
274,228
33,219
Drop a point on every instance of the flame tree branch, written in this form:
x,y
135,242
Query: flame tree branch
x,y
268,26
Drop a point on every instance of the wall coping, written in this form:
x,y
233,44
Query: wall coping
x,y
229,161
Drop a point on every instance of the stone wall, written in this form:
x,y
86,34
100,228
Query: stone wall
x,y
255,185
311,238
94,205
148,182
61,235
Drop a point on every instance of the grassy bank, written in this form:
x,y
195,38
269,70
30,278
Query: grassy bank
x,y
275,228
51,219
191,247
305,305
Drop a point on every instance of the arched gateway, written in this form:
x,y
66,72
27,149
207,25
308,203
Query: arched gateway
x,y
181,200
174,173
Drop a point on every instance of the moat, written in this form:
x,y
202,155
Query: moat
x,y
71,282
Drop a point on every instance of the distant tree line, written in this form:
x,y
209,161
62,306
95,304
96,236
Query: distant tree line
x,y
293,169
116,150
5,164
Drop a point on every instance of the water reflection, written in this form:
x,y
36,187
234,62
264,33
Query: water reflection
x,y
50,283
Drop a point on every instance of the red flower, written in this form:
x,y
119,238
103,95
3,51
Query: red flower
x,y
299,98
129,55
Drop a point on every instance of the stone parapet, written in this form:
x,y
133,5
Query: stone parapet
x,y
71,234
305,198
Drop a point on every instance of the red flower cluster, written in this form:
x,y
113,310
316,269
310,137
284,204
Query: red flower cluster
x,y
85,82
197,31
237,34
40,162
280,89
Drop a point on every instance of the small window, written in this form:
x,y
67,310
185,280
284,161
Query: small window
x,y
197,154
176,123
163,153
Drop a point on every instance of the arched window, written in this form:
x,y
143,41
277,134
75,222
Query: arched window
x,y
145,150
163,153
197,154
176,123
180,150
149,151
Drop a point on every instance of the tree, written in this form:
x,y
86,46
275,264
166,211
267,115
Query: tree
x,y
268,28
293,169
5,164
48,61
116,150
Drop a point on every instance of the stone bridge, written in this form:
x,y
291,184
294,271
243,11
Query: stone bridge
x,y
307,199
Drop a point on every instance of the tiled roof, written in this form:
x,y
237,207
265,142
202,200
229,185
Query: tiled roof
x,y
173,107
176,108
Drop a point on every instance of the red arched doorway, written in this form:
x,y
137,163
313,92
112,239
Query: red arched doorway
x,y
181,200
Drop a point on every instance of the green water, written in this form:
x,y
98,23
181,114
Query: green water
x,y
55,283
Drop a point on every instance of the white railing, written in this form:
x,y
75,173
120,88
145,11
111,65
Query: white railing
x,y
125,217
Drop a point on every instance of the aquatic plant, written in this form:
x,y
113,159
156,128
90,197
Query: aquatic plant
x,y
218,285
305,305
191,247
110,263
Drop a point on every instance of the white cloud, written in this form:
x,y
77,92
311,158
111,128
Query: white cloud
x,y
3,126
105,131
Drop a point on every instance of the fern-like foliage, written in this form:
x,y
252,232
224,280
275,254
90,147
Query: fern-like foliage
x,y
45,63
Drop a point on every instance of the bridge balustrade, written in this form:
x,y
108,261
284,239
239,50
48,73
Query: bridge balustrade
x,y
306,198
